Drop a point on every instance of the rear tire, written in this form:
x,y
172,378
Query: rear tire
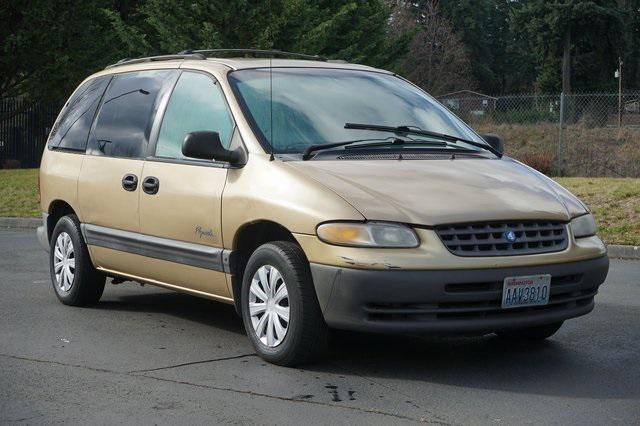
x,y
279,272
540,332
75,281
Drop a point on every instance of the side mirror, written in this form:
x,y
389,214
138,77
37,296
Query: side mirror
x,y
206,145
494,141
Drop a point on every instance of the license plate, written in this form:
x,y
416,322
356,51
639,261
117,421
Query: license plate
x,y
532,290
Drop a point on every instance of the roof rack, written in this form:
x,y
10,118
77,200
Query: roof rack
x,y
128,61
211,52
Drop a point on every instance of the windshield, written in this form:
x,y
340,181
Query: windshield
x,y
312,105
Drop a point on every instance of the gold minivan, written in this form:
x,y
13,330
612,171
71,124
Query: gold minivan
x,y
312,195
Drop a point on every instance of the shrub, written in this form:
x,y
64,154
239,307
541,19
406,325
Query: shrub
x,y
10,164
541,161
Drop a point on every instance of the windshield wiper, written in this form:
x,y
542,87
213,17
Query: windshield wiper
x,y
374,142
410,130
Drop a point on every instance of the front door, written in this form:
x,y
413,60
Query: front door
x,y
180,198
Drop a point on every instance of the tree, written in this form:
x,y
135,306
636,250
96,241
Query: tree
x,y
49,47
351,30
436,58
631,51
581,38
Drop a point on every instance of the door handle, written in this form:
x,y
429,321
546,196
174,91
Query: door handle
x,y
130,182
151,185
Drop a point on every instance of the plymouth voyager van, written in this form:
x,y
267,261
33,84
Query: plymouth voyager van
x,y
312,195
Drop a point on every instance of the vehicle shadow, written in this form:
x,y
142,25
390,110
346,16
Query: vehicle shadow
x,y
553,367
574,363
203,311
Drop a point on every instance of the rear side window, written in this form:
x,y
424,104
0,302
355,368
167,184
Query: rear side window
x,y
71,131
196,104
123,124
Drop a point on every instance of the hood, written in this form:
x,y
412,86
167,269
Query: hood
x,y
434,192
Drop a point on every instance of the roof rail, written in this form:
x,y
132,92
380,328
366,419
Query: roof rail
x,y
127,61
211,52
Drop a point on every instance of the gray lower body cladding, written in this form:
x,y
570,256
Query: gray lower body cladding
x,y
197,255
450,301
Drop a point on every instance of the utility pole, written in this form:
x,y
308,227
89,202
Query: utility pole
x,y
619,77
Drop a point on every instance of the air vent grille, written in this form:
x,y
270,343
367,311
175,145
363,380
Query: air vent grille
x,y
406,156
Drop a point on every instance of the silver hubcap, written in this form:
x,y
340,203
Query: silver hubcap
x,y
64,262
269,306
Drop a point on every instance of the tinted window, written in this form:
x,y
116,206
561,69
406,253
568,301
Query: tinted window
x,y
72,130
197,103
126,115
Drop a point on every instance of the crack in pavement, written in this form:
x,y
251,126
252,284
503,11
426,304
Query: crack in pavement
x,y
290,399
168,367
63,364
222,389
441,421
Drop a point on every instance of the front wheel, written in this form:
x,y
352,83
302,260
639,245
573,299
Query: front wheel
x,y
280,309
540,332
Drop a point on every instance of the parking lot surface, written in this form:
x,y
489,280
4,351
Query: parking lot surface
x,y
146,355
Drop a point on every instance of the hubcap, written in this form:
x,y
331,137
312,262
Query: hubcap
x,y
64,262
269,306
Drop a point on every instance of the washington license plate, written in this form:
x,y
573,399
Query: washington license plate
x,y
532,290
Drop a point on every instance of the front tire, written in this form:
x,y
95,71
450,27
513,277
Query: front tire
x,y
75,281
280,309
540,332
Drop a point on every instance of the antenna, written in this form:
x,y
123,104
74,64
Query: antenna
x,y
271,157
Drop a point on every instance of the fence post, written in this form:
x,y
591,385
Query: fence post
x,y
560,136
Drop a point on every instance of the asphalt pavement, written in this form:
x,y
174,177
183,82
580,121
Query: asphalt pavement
x,y
149,356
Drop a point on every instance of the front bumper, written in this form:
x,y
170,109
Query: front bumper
x,y
450,301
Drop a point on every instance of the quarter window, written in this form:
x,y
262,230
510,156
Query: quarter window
x,y
196,104
72,130
124,122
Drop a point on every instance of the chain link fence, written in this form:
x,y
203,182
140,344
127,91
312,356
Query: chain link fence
x,y
587,134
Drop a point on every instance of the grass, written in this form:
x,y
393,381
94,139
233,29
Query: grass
x,y
615,202
19,193
587,151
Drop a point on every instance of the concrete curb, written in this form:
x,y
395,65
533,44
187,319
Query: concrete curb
x,y
19,223
22,223
624,252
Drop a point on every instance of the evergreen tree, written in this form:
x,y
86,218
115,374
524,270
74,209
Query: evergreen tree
x,y
48,47
587,34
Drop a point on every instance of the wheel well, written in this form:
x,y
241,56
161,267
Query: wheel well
x,y
57,209
247,240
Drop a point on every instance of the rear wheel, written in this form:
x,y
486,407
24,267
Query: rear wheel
x,y
280,309
75,280
540,332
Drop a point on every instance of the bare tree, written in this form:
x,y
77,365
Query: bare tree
x,y
436,58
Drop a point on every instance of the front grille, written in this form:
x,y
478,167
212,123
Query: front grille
x,y
490,239
483,300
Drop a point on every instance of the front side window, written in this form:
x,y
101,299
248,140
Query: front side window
x,y
292,108
196,104
125,118
71,131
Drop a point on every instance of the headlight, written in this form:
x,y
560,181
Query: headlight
x,y
371,234
583,226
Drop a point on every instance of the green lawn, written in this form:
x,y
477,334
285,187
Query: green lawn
x,y
614,202
19,193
